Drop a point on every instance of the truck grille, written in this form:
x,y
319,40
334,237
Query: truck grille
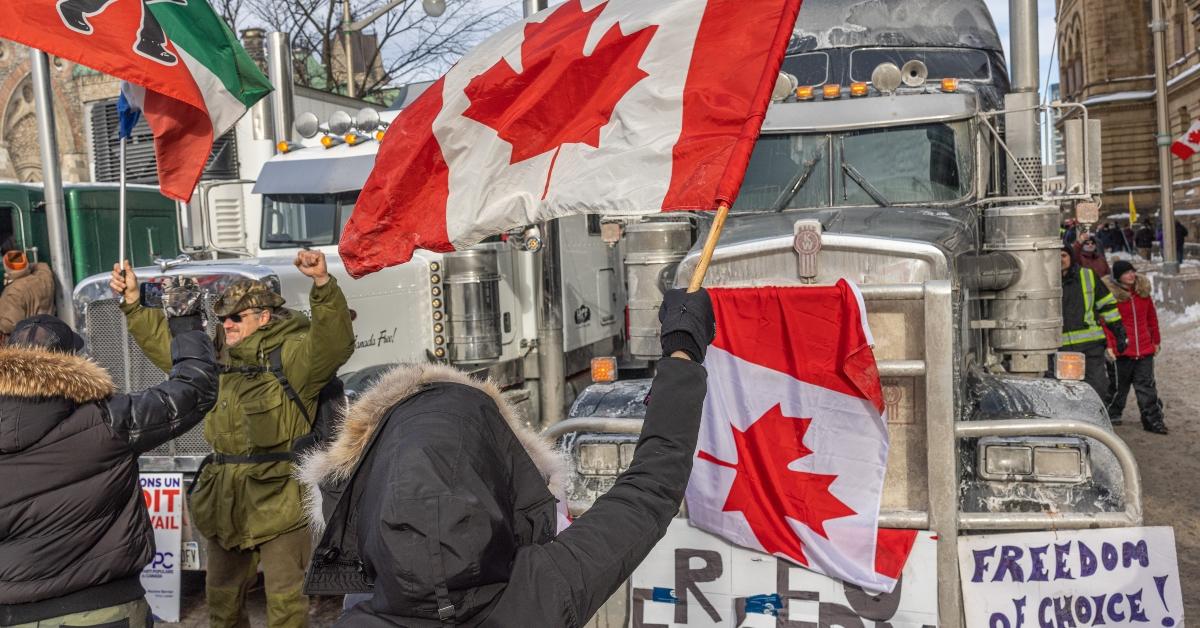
x,y
112,346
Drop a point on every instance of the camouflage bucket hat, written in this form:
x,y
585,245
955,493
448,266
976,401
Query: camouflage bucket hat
x,y
246,294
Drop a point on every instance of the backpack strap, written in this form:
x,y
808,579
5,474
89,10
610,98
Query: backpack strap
x,y
276,368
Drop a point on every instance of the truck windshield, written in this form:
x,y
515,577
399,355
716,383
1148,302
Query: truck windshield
x,y
786,172
312,219
906,165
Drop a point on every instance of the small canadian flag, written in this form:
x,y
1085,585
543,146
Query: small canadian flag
x,y
1189,143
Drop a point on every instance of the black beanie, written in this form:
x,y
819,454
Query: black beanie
x,y
1120,268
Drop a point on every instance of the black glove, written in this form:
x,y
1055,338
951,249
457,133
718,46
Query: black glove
x,y
688,323
181,304
183,324
1118,332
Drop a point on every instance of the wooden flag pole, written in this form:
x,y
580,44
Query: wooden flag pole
x,y
710,245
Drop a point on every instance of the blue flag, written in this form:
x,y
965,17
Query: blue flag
x,y
128,115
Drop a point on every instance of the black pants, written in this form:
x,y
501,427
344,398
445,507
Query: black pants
x,y
1094,373
1139,373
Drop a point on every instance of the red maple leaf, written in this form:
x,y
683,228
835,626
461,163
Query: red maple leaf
x,y
1194,137
560,96
768,493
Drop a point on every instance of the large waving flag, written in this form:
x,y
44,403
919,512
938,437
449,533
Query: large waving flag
x,y
190,77
618,106
793,442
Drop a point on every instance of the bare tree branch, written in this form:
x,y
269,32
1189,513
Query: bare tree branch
x,y
402,46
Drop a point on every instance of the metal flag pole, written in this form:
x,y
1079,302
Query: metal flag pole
x,y
710,245
121,211
56,219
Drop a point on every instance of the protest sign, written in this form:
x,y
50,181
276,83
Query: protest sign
x,y
1055,579
163,494
693,578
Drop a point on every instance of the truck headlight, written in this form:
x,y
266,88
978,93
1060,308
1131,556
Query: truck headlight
x,y
604,458
1041,459
599,459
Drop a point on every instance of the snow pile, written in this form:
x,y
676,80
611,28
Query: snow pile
x,y
1178,320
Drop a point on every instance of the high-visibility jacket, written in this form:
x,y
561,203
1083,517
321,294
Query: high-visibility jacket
x,y
1085,303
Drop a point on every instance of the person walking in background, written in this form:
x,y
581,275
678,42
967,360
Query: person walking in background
x,y
74,535
28,291
1143,239
1086,307
1181,234
1135,365
1090,254
1127,238
1070,231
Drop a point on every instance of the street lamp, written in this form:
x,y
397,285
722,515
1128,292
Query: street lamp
x,y
433,8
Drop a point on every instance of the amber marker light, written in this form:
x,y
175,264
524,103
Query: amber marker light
x,y
804,92
950,85
1069,366
604,370
330,141
858,89
831,91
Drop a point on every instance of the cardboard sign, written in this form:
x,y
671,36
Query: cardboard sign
x,y
1115,577
163,493
693,578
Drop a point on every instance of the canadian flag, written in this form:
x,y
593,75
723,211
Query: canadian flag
x,y
1188,143
793,442
621,107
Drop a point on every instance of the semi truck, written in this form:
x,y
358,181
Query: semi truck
x,y
899,155
91,212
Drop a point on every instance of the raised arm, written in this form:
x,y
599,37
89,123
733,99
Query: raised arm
x,y
147,326
154,416
601,548
330,339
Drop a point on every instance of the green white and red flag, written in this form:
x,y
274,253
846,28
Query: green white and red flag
x,y
187,71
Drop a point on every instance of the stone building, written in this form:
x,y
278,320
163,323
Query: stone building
x,y
1106,62
72,84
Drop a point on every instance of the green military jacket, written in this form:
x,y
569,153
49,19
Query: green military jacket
x,y
245,505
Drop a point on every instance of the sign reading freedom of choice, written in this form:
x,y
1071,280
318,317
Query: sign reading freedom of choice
x,y
1071,579
163,494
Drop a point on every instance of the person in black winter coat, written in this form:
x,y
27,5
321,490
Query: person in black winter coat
x,y
444,506
1143,239
74,530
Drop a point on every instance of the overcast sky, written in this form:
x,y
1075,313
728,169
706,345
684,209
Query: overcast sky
x,y
999,9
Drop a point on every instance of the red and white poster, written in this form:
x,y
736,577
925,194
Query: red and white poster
x,y
163,494
793,444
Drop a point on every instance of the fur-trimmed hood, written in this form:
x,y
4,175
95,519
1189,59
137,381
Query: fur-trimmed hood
x,y
1141,286
333,464
30,372
40,388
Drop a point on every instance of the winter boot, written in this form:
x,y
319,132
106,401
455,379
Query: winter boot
x,y
74,13
1157,427
1152,421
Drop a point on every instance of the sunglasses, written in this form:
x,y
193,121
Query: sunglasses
x,y
235,317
